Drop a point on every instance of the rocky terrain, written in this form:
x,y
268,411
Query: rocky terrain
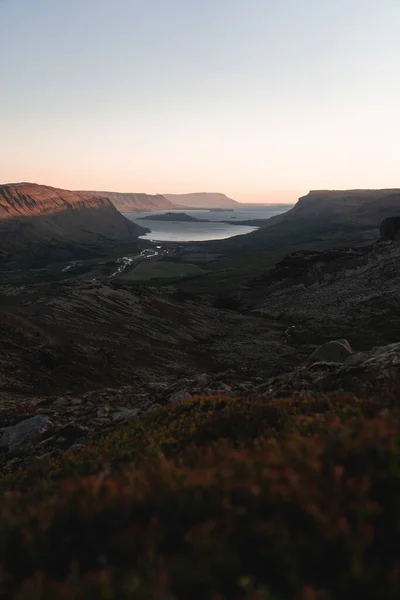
x,y
37,428
203,200
87,356
344,292
200,442
131,202
91,355
42,222
81,335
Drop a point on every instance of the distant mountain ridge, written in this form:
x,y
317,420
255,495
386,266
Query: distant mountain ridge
x,y
42,219
203,200
364,207
132,202
340,214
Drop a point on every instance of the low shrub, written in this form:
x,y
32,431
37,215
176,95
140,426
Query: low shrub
x,y
216,499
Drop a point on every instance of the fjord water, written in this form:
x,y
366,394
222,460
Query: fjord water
x,y
218,228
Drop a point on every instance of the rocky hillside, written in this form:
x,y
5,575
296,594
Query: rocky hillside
x,y
84,335
339,216
203,200
351,292
127,202
39,220
184,451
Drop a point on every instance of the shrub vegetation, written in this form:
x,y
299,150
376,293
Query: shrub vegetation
x,y
215,499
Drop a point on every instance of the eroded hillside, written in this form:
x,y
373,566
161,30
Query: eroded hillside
x,y
47,223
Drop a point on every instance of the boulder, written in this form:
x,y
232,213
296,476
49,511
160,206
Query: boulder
x,y
125,414
336,351
180,396
19,437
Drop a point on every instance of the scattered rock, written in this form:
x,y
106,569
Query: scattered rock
x,y
367,373
363,373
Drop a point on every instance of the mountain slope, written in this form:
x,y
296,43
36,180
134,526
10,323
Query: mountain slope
x,y
203,200
127,202
320,215
34,217
360,208
279,487
347,292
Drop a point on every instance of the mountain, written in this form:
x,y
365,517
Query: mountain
x,y
42,220
126,202
357,208
318,216
203,200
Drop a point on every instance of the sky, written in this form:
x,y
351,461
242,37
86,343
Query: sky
x,y
263,100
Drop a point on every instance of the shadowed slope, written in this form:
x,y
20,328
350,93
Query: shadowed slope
x,y
34,217
127,202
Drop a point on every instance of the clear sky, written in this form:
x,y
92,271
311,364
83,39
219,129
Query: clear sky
x,y
259,99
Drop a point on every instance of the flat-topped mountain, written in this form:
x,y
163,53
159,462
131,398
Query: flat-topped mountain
x,y
170,216
127,202
362,207
318,216
39,219
202,200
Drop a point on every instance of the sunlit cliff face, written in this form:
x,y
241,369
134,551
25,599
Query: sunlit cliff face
x,y
30,199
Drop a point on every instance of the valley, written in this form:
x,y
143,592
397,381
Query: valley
x,y
199,300
141,355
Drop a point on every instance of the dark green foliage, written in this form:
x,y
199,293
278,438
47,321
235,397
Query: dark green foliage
x,y
216,498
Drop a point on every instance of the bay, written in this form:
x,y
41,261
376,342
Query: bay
x,y
216,229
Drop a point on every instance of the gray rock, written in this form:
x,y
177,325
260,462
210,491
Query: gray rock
x,y
335,351
24,434
203,379
125,414
377,354
180,396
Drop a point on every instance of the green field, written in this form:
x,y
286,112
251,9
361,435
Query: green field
x,y
160,269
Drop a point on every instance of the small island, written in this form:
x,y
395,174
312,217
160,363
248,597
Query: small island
x,y
169,216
